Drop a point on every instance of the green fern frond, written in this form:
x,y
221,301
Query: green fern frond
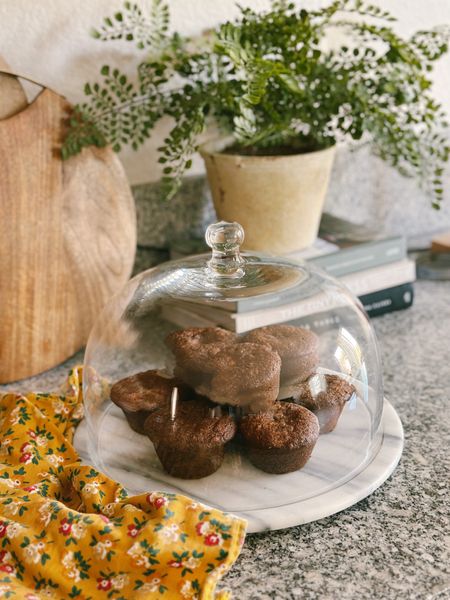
x,y
133,25
178,148
118,112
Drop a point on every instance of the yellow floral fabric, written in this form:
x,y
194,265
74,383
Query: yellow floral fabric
x,y
68,531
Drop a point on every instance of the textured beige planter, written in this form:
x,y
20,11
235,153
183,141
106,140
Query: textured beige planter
x,y
278,200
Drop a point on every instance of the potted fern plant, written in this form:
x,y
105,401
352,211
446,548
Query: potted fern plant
x,y
282,102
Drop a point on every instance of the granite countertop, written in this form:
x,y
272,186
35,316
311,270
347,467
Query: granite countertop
x,y
394,544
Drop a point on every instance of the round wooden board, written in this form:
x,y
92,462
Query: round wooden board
x,y
67,234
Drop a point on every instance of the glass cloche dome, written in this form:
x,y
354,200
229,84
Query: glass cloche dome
x,y
245,381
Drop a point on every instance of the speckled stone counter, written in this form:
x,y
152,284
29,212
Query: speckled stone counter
x,y
394,544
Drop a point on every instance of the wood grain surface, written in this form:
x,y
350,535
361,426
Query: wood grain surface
x,y
67,237
12,96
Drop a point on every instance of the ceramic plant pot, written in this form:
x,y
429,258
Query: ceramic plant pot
x,y
278,200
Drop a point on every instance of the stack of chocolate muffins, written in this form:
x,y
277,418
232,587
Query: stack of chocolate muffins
x,y
262,384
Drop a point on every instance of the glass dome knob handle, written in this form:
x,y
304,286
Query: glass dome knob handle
x,y
225,239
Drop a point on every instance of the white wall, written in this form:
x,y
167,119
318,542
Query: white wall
x,y
48,40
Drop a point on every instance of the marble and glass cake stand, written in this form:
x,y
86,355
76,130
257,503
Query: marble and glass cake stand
x,y
129,337
340,472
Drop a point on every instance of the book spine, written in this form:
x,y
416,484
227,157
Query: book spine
x,y
320,318
375,304
185,319
361,257
359,284
346,262
389,300
287,312
323,321
380,278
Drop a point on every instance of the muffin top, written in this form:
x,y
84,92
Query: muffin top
x,y
323,391
286,426
145,391
194,425
285,339
199,344
244,367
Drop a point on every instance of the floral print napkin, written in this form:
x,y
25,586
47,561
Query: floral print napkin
x,y
68,531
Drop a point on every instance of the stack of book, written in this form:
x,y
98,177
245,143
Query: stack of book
x,y
373,267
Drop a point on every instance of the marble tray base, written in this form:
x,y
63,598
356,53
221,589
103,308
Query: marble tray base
x,y
349,493
265,501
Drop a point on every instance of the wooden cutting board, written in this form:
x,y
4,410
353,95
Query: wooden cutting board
x,y
67,235
12,96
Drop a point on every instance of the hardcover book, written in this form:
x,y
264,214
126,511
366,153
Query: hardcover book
x,y
373,267
342,247
236,316
350,248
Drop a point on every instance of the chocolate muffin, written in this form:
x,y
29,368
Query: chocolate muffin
x,y
194,350
142,393
246,375
280,440
192,445
297,347
325,396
